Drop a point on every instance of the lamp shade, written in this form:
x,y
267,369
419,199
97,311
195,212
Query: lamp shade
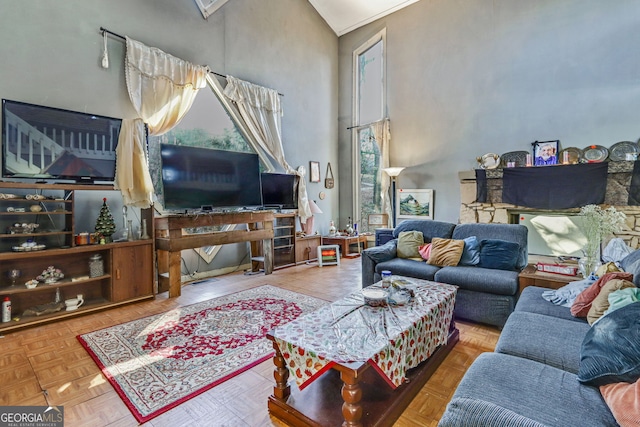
x,y
393,172
314,207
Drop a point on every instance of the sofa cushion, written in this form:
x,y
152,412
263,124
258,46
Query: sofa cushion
x,y
623,400
545,339
498,254
582,303
531,301
409,243
479,279
409,268
611,348
516,233
631,264
428,227
445,252
600,303
532,390
425,251
471,251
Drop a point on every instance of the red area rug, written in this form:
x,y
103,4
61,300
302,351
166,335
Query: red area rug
x,y
158,362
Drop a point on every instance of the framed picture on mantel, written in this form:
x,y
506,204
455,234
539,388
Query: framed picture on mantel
x,y
545,153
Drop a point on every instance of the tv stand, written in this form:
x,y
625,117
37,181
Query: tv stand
x,y
170,240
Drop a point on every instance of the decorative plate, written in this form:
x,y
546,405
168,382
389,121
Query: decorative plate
x,y
618,151
595,153
517,157
574,153
489,161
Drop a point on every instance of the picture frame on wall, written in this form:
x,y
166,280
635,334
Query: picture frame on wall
x,y
414,203
545,153
314,171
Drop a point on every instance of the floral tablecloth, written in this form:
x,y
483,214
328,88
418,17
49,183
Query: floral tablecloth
x,y
392,339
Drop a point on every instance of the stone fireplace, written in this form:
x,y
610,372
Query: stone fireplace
x,y
494,211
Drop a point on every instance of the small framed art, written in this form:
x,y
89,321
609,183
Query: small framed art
x,y
314,171
414,203
545,153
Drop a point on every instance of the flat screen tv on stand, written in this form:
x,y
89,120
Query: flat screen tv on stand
x,y
279,191
53,144
204,179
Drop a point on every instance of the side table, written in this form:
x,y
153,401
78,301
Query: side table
x,y
345,242
530,276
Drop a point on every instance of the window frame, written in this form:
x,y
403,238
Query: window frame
x,y
357,127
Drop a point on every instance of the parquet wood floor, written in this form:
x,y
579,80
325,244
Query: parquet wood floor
x,y
47,364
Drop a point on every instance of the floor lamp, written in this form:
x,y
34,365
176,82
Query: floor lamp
x,y
393,174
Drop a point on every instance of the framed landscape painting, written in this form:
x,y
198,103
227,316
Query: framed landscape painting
x,y
414,203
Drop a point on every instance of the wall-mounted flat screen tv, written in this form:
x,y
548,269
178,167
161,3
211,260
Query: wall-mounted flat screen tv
x,y
279,190
197,178
51,143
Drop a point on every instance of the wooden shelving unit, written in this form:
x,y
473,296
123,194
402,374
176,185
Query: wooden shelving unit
x,y
128,266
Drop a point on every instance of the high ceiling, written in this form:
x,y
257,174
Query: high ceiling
x,y
347,15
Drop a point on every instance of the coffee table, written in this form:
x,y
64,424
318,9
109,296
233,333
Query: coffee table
x,y
357,365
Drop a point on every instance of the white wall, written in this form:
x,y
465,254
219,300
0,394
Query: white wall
x,y
468,77
50,54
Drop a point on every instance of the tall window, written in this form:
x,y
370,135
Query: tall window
x,y
369,106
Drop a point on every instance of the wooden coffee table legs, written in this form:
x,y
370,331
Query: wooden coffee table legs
x,y
281,391
351,394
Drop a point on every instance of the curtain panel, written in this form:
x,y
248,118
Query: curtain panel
x,y
261,110
382,134
162,89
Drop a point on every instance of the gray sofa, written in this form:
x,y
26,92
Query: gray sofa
x,y
531,378
485,295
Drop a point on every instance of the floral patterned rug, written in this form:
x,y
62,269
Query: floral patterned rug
x,y
158,362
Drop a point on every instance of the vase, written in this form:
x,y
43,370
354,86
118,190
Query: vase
x,y
51,280
588,265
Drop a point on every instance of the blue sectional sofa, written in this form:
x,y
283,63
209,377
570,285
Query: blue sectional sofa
x,y
532,377
485,295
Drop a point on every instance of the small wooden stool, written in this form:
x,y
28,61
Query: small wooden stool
x,y
328,255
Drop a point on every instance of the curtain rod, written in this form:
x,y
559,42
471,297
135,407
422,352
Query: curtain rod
x,y
123,38
367,124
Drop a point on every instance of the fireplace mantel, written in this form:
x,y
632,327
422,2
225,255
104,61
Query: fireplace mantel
x,y
494,210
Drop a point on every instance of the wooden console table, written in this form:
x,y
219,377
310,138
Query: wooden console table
x,y
171,240
345,242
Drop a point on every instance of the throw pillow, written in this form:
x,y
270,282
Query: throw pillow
x,y
623,399
471,252
600,303
609,267
408,244
445,252
425,251
610,350
498,254
582,304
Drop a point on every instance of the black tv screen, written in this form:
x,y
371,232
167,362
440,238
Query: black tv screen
x,y
51,143
279,190
196,178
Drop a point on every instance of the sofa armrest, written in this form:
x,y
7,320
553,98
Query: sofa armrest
x,y
372,256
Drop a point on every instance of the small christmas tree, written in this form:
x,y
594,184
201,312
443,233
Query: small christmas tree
x,y
105,225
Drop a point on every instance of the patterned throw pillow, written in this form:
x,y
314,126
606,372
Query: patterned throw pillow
x,y
408,244
445,252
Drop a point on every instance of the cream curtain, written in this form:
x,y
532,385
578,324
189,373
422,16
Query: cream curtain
x,y
261,110
382,133
162,89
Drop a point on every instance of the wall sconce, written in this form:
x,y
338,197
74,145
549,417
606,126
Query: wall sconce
x,y
393,174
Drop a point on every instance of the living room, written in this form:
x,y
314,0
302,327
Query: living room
x,y
462,79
